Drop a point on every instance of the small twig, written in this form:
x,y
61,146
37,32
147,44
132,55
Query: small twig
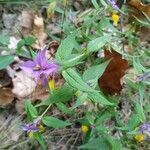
x,y
75,141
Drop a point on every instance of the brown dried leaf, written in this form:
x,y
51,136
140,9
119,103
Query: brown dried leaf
x,y
38,32
4,78
40,93
27,19
138,5
32,24
19,105
51,50
23,85
6,96
110,82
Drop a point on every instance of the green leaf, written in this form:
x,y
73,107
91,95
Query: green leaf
x,y
140,112
80,100
138,66
65,48
95,72
95,96
103,2
39,137
94,2
74,79
98,43
145,23
4,39
103,116
5,60
73,60
20,44
29,40
62,94
54,122
105,24
25,42
96,144
131,84
132,124
31,110
62,107
115,143
51,8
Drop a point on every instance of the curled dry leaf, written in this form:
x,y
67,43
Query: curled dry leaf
x,y
131,74
144,34
26,88
110,82
27,18
23,85
138,9
59,81
38,32
40,93
6,96
138,5
4,79
51,50
32,24
19,105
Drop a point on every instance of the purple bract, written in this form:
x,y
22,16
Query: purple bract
x,y
144,128
143,77
31,127
113,4
40,67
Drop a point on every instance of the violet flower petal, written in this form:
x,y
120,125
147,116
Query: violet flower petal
x,y
40,67
113,4
145,128
44,79
41,60
36,75
28,66
31,127
51,69
24,128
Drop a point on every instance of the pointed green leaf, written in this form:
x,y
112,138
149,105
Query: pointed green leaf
x,y
62,107
98,98
5,60
65,48
95,72
31,110
62,94
4,39
74,79
132,123
39,137
98,43
54,122
96,144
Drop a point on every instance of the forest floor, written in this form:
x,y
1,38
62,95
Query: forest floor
x,y
90,29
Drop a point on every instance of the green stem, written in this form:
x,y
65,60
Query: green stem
x,y
40,117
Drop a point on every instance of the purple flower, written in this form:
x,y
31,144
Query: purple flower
x,y
113,4
72,16
30,127
143,77
40,67
144,128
